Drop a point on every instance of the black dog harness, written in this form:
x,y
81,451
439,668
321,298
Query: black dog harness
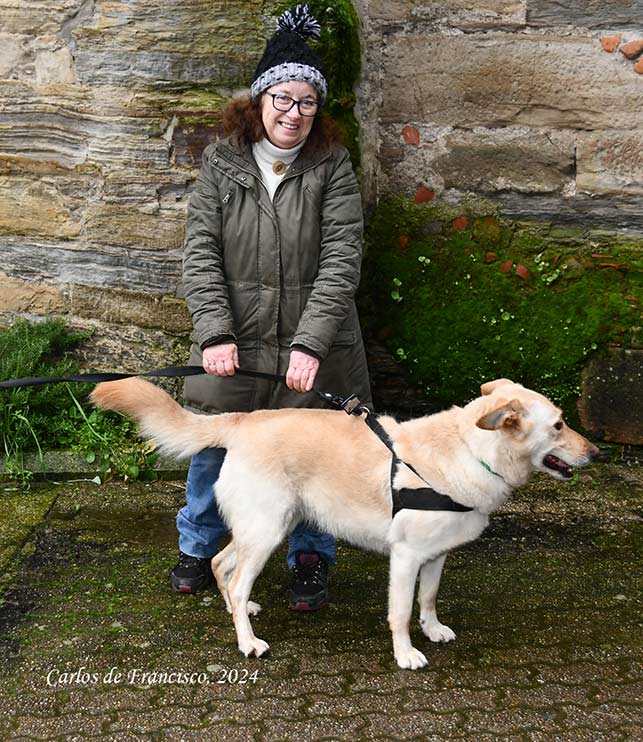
x,y
405,498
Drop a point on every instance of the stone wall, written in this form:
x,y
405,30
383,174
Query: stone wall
x,y
533,104
529,108
106,108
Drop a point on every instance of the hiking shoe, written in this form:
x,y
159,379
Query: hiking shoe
x,y
191,574
309,586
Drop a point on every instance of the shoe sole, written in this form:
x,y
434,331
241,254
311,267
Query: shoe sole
x,y
190,589
301,606
184,590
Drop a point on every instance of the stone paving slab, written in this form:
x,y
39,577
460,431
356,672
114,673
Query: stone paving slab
x,y
20,516
546,606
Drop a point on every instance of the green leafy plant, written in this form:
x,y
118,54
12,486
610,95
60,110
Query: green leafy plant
x,y
111,441
26,420
51,417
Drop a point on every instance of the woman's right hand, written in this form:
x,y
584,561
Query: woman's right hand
x,y
221,360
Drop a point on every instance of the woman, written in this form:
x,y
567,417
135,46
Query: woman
x,y
271,264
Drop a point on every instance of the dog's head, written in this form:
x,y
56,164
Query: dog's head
x,y
534,429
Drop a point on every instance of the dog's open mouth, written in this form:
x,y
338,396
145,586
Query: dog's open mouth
x,y
553,462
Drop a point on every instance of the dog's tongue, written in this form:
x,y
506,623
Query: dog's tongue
x,y
553,462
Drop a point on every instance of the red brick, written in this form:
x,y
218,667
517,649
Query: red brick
x,y
490,257
424,194
506,267
411,135
460,224
522,272
632,49
610,43
404,241
638,67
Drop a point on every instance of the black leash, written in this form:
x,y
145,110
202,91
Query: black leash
x,y
348,404
168,372
424,498
98,377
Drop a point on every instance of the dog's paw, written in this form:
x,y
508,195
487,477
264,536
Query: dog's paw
x,y
438,632
411,659
253,608
255,647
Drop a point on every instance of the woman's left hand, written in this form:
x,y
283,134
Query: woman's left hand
x,y
301,371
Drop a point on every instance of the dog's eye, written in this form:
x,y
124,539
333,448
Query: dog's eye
x,y
559,425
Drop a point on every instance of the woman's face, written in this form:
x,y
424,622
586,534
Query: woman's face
x,y
287,129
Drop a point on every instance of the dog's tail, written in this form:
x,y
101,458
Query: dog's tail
x,y
176,431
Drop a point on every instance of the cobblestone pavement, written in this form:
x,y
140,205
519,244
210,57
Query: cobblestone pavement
x,y
546,607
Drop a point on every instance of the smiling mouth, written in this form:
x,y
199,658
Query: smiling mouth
x,y
289,127
553,462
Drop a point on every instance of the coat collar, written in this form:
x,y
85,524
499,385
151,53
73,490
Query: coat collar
x,y
239,154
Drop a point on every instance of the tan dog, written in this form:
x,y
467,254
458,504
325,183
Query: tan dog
x,y
325,466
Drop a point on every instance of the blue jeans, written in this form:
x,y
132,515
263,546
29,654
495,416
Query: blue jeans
x,y
201,528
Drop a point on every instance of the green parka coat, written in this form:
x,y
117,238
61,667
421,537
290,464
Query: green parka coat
x,y
273,275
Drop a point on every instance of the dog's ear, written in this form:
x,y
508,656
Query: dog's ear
x,y
507,415
491,386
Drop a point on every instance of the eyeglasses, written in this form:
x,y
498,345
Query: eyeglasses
x,y
306,107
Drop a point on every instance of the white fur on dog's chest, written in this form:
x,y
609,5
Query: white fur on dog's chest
x,y
433,533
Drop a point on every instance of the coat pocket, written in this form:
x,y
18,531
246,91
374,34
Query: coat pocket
x,y
345,337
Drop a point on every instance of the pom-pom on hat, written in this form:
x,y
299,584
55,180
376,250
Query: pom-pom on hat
x,y
287,55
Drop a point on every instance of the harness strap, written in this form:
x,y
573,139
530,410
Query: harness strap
x,y
407,498
425,498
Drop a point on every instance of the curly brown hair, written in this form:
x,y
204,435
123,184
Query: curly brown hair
x,y
242,120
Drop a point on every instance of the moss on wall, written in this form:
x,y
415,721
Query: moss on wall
x,y
467,299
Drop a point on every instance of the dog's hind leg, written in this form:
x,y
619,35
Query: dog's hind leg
x,y
251,558
430,574
403,573
259,513
223,565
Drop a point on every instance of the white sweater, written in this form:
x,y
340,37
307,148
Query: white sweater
x,y
266,154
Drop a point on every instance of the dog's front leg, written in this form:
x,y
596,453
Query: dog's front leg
x,y
404,568
430,574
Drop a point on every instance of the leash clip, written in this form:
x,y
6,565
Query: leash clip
x,y
351,404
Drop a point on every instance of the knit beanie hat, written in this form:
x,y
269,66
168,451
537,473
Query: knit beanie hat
x,y
288,57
